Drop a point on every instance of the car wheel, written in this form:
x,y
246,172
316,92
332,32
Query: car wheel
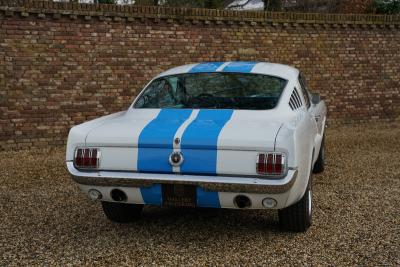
x,y
319,165
298,217
121,212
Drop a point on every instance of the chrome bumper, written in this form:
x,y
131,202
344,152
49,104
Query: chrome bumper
x,y
208,183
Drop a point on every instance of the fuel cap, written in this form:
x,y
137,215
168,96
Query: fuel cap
x,y
176,159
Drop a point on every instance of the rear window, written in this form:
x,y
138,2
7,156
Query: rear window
x,y
213,91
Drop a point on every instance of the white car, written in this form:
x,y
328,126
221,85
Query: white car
x,y
240,135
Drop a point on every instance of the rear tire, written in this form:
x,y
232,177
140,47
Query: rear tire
x,y
319,165
121,212
298,217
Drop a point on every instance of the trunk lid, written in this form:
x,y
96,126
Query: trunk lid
x,y
210,141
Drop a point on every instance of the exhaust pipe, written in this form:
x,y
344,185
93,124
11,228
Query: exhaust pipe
x,y
118,195
242,202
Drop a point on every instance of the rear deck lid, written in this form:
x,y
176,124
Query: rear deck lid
x,y
201,136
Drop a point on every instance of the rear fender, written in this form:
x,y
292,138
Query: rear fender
x,y
297,137
77,135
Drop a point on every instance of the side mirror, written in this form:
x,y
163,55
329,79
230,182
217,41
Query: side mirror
x,y
315,98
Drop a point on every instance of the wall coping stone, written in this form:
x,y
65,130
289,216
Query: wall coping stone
x,y
180,15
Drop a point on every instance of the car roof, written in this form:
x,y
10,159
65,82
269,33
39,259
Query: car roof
x,y
273,69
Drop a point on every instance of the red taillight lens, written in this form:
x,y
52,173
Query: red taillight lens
x,y
278,163
261,167
78,157
87,158
271,163
93,158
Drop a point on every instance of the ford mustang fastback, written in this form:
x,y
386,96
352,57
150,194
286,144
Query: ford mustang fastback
x,y
239,135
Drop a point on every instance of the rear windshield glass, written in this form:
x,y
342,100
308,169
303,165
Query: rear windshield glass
x,y
213,91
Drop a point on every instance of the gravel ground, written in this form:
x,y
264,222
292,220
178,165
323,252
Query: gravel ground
x,y
45,220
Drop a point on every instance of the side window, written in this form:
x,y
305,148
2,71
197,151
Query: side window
x,y
304,91
159,93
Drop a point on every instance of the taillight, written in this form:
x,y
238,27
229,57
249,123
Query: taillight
x,y
87,158
273,163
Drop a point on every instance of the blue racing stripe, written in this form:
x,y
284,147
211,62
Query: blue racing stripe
x,y
152,195
207,199
206,67
156,140
241,66
199,141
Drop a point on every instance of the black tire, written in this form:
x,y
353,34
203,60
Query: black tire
x,y
298,217
121,212
319,165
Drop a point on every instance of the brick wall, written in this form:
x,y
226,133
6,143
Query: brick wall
x,y
62,64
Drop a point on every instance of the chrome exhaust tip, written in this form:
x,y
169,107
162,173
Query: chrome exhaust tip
x,y
242,202
118,195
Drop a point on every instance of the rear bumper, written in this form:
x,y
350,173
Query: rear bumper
x,y
207,183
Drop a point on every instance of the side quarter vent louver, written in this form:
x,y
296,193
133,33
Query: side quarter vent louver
x,y
295,101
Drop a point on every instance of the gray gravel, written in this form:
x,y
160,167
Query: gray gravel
x,y
45,220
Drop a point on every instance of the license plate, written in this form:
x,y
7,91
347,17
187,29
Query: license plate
x,y
179,195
